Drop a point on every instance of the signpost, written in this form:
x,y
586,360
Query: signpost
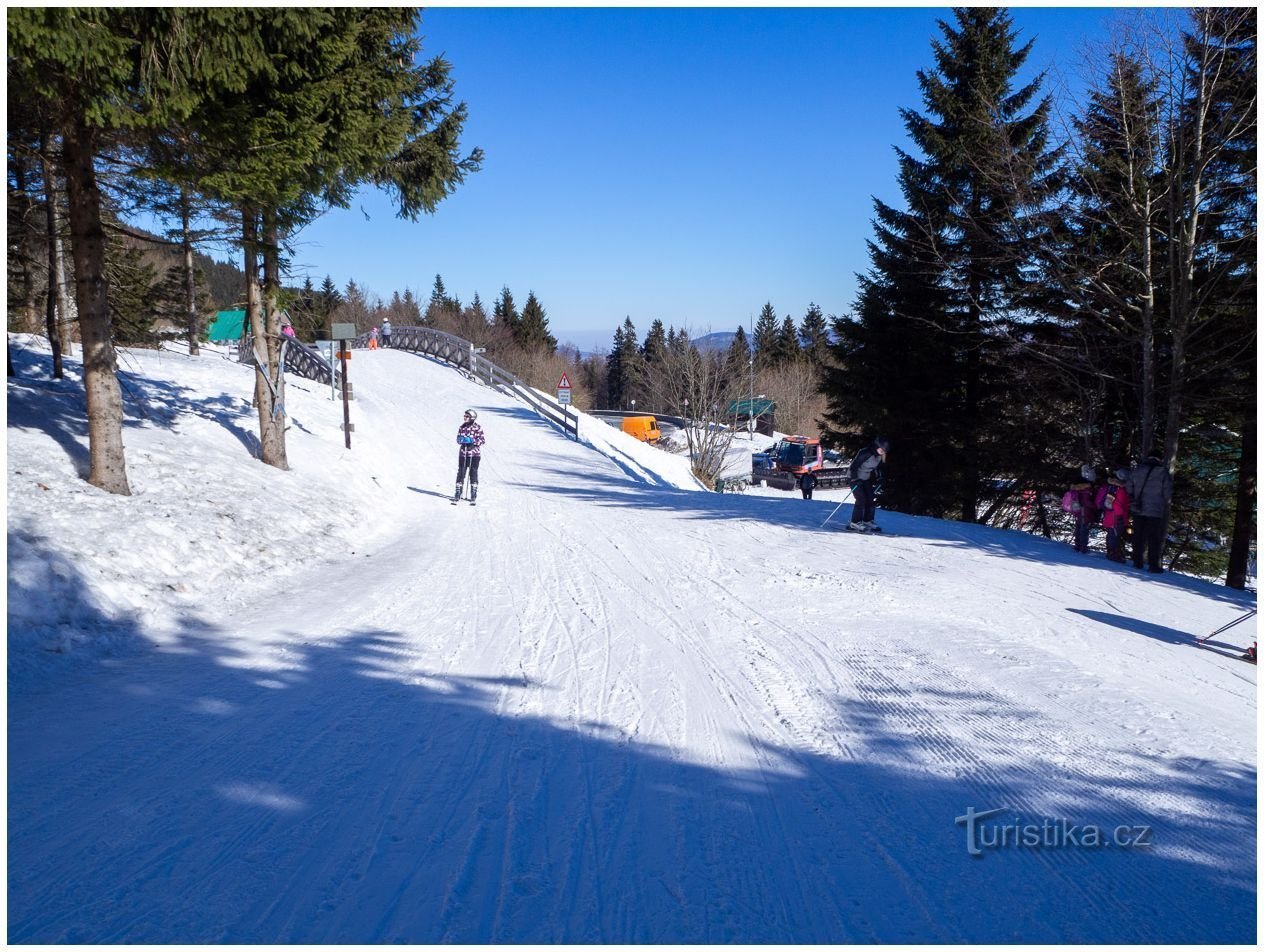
x,y
344,334
564,398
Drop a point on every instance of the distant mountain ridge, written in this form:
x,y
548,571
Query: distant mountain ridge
x,y
719,340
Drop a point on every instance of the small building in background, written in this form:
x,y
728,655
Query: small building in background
x,y
761,409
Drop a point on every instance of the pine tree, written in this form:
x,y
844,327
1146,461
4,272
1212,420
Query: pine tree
x,y
814,335
625,366
765,340
655,346
928,358
133,294
785,348
505,313
93,72
739,353
477,310
328,299
1107,260
533,328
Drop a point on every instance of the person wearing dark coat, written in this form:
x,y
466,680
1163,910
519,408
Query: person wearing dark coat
x,y
866,476
806,483
1150,492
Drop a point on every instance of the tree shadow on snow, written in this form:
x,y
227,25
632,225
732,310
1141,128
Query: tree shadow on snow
x,y
1171,636
57,407
613,491
331,787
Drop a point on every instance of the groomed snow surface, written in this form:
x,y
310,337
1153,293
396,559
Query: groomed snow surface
x,y
604,705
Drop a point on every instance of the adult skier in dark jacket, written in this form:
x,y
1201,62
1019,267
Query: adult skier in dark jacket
x,y
866,476
469,437
1150,491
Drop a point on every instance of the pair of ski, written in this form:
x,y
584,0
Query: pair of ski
x,y
1248,655
852,527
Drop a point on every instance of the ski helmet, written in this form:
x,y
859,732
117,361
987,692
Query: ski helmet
x,y
1088,473
470,414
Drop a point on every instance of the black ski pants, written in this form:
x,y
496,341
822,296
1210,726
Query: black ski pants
x,y
1147,542
865,504
467,464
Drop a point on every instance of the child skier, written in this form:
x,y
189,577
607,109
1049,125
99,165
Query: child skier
x,y
1112,503
1079,502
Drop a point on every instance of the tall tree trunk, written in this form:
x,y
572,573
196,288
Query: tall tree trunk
x,y
100,369
970,468
1149,387
1244,514
54,266
26,257
65,310
190,295
266,336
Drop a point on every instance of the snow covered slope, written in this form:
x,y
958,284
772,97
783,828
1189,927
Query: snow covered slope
x,y
325,705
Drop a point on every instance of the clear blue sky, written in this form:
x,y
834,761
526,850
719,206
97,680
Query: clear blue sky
x,y
682,164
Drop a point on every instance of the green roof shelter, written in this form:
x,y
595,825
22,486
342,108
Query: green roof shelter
x,y
749,408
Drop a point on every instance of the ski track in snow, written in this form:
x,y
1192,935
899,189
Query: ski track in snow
x,y
599,708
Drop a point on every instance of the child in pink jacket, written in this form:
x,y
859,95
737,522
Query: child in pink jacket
x,y
1112,503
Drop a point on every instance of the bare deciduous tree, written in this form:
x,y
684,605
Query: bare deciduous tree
x,y
699,387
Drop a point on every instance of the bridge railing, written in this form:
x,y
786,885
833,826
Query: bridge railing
x,y
306,361
461,353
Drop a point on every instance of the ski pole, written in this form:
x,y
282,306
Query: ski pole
x,y
836,508
1223,628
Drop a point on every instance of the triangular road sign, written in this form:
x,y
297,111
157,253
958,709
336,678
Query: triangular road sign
x,y
564,383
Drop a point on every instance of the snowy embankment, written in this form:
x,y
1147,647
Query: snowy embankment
x,y
324,705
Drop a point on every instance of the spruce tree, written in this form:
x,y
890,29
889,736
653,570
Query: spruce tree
x,y
785,349
928,357
533,329
655,346
814,335
95,72
626,371
765,340
505,313
614,371
739,353
328,299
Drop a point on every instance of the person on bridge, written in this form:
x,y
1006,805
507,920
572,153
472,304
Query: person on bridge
x,y
386,333
469,438
866,477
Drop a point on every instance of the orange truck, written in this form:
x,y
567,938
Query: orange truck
x,y
644,428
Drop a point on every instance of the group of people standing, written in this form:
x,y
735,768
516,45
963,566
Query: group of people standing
x,y
383,336
1141,494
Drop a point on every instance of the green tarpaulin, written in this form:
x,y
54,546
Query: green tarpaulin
x,y
226,326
